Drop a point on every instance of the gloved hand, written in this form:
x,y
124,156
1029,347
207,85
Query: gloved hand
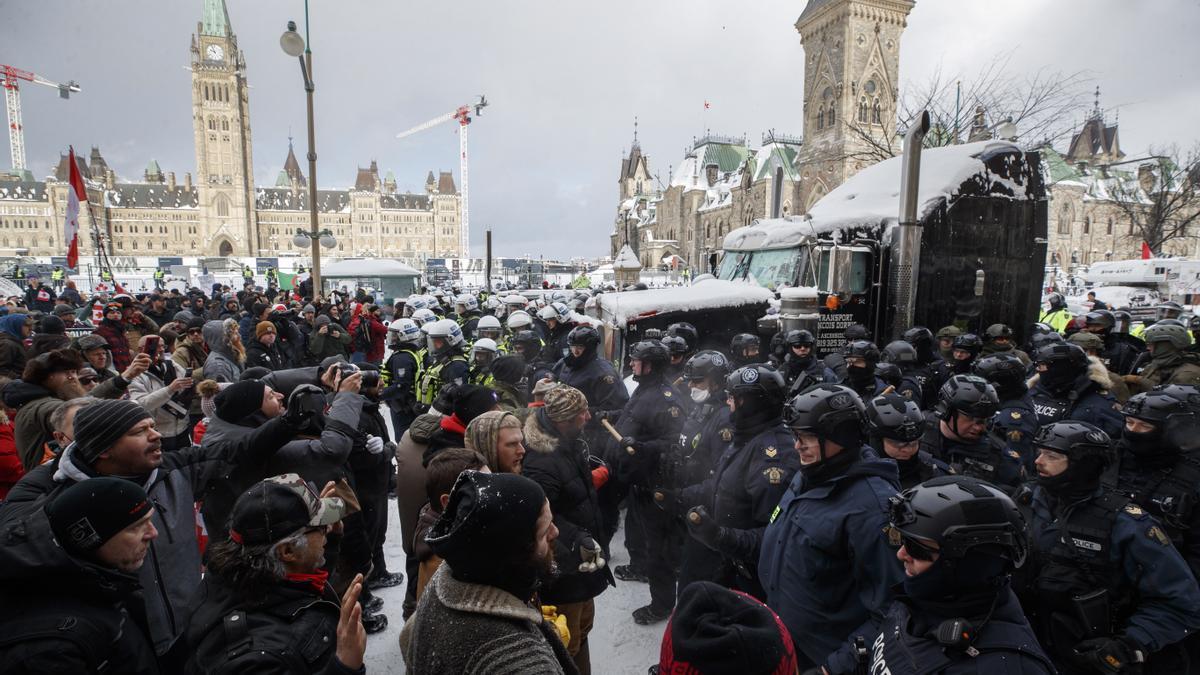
x,y
374,445
1109,655
307,401
702,527
591,554
629,442
667,500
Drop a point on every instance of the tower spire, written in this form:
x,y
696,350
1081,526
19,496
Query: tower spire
x,y
635,132
216,19
1096,107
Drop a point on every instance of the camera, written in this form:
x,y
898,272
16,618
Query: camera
x,y
370,379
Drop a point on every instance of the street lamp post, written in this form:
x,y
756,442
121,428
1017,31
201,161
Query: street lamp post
x,y
295,45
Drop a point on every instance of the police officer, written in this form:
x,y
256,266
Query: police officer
x,y
688,332
402,372
595,377
707,432
929,369
467,308
801,368
649,425
160,279
677,349
861,358
999,339
447,363
58,277
489,327
963,353
1066,389
835,361
956,433
1057,316
1107,591
731,509
959,540
1119,353
483,353
528,345
895,426
558,321
826,564
904,357
1016,419
1159,469
272,276
945,338
744,348
1171,361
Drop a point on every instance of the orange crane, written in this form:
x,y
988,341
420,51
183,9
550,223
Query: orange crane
x,y
462,115
10,78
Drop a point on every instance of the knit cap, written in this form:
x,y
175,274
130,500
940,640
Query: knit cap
x,y
239,400
263,328
718,631
91,512
564,402
471,401
100,425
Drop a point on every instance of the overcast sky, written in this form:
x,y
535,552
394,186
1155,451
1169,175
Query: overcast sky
x,y
565,80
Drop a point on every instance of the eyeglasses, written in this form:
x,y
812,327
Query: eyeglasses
x,y
917,550
194,331
87,380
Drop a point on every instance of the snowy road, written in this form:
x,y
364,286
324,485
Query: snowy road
x,y
618,645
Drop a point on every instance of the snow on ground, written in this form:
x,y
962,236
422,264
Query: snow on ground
x,y
618,645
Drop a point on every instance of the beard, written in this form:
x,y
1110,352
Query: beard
x,y
546,568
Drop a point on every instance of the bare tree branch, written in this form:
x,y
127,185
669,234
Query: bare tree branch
x,y
1162,202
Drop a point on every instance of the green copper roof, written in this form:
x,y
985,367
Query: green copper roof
x,y
727,157
1058,167
216,18
152,168
283,180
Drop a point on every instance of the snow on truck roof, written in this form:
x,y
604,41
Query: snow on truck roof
x,y
872,196
621,308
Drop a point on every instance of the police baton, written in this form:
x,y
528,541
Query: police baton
x,y
616,435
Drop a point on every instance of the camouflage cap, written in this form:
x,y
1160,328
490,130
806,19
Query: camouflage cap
x,y
949,332
279,507
1087,340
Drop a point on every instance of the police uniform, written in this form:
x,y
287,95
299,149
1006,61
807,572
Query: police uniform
x,y
801,373
596,379
1105,560
920,468
1058,319
986,459
1085,402
826,564
1170,493
1015,423
402,372
452,369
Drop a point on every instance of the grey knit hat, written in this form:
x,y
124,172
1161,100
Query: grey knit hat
x,y
100,425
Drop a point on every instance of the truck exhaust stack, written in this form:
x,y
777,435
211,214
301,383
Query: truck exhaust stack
x,y
906,237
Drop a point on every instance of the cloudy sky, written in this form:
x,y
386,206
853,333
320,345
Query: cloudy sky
x,y
565,80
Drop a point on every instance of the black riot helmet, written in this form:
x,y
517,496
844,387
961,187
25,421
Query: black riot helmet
x,y
1174,410
676,345
966,394
1040,340
1121,321
1100,317
921,338
653,352
1060,364
962,514
706,365
1088,448
527,343
831,412
896,417
862,348
969,342
1005,371
757,391
1169,309
998,330
741,342
890,373
584,336
686,331
799,338
901,353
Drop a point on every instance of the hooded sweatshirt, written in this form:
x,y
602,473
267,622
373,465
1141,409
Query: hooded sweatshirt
x,y
12,346
222,363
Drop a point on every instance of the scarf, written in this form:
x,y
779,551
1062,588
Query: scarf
x,y
454,425
316,580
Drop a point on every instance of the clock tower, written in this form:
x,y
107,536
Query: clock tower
x,y
221,122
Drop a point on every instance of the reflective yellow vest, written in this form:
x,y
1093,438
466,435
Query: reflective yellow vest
x,y
431,380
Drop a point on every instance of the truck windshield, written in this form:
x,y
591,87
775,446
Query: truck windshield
x,y
732,266
776,268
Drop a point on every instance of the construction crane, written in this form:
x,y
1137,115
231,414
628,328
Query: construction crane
x,y
463,115
11,78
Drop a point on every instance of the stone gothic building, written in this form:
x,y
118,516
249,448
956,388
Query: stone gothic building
x,y
851,68
221,212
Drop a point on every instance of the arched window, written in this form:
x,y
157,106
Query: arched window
x,y
227,93
832,116
876,113
1087,224
821,118
1064,220
222,204
224,125
205,92
862,109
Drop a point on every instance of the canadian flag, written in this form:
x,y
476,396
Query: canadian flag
x,y
1146,253
76,196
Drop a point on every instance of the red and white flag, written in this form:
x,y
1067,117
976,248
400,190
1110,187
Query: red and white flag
x,y
1146,252
76,197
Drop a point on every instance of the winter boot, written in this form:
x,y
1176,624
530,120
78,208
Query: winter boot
x,y
629,573
645,616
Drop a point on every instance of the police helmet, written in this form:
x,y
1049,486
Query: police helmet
x,y
1040,340
650,351
856,331
757,379
1062,356
890,373
896,417
1076,440
948,332
547,312
970,343
1056,301
707,364
1004,370
966,394
998,330
406,331
1087,340
686,331
415,302
519,320
1174,410
921,338
489,327
862,348
899,352
424,316
525,338
1169,309
675,344
583,336
469,302
446,330
828,411
799,338
1166,332
561,310
741,341
1100,317
1121,321
960,513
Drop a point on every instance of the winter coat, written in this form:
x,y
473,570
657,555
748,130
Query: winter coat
x,y
292,631
427,559
490,632
35,405
321,347
172,569
561,467
1173,368
12,346
150,392
222,363
113,333
264,356
317,460
1085,400
368,336
191,359
11,468
68,615
47,342
653,416
410,474
826,564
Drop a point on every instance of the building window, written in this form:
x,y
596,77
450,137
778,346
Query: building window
x,y
1108,229
1087,224
1064,221
821,118
876,116
862,110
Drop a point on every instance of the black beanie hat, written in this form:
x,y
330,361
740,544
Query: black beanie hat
x,y
717,631
239,400
91,512
471,401
52,325
101,424
490,517
508,368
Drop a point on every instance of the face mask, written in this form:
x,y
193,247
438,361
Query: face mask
x,y
699,395
859,373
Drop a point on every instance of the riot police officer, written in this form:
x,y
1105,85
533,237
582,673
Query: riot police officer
x,y
677,349
964,352
801,369
528,345
447,362
1106,589
649,425
835,361
1057,316
402,372
1119,353
904,356
1171,361
744,348
959,539
861,358
731,508
595,377
999,339
1066,390
929,369
826,565
956,434
895,426
1016,419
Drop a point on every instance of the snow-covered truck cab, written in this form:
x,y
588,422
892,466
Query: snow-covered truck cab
x,y
977,243
718,309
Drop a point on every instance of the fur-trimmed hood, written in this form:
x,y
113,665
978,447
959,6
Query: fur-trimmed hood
x,y
537,437
1096,372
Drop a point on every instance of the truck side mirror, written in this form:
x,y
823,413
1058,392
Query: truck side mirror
x,y
841,270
